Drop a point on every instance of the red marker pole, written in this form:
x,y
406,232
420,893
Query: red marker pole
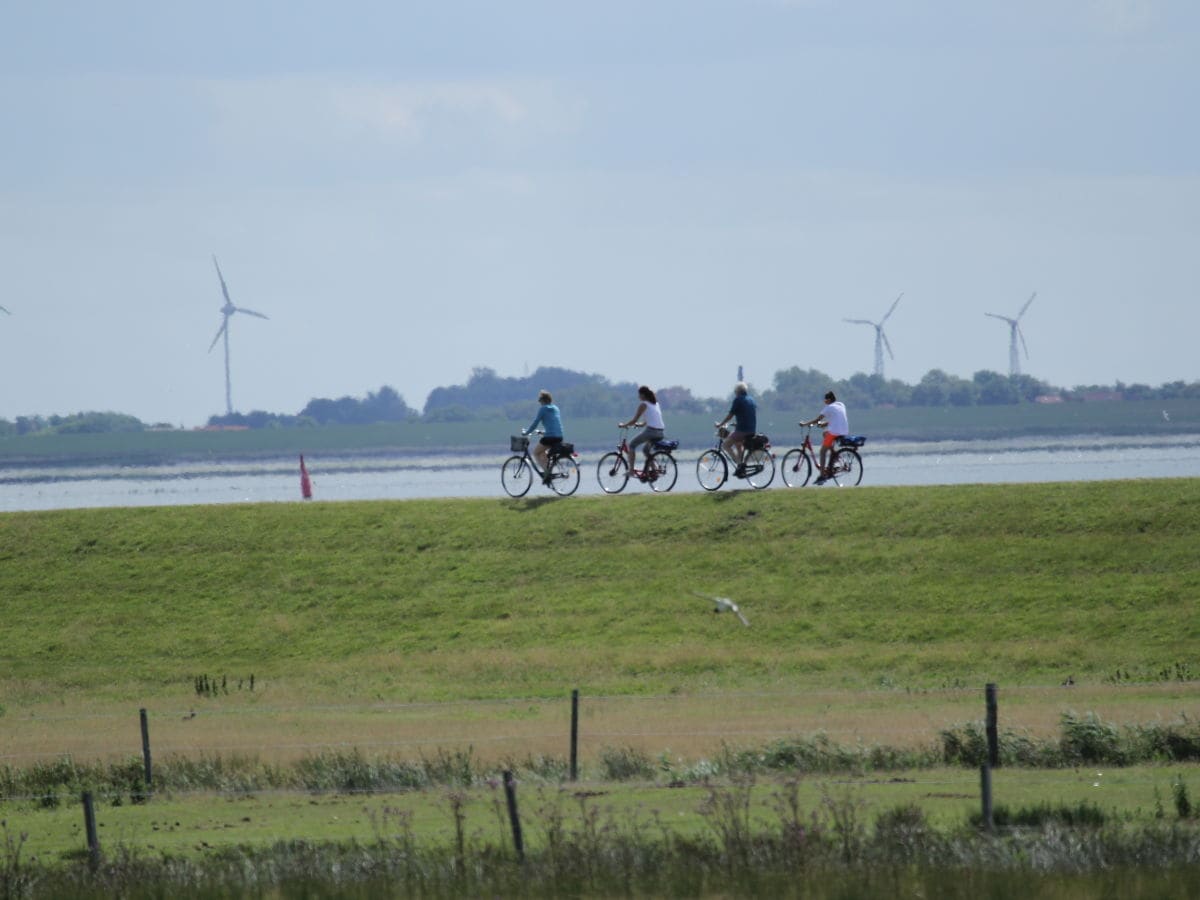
x,y
305,483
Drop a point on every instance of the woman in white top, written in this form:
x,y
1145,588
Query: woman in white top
x,y
651,417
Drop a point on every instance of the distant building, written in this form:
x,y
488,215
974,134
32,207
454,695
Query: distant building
x,y
1048,398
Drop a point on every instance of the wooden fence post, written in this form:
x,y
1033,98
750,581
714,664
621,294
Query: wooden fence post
x,y
985,791
510,792
89,827
146,747
993,735
574,734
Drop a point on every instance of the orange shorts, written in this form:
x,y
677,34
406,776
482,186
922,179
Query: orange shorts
x,y
829,438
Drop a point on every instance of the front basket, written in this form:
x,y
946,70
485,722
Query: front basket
x,y
518,443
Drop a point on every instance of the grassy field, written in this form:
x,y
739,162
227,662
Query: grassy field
x,y
458,599
882,590
407,628
191,824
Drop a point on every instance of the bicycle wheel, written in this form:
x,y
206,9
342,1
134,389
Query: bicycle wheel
x,y
663,472
516,475
711,469
612,472
564,476
760,468
796,468
847,468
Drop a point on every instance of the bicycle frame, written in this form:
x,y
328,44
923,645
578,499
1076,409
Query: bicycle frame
x,y
613,469
799,463
547,475
752,471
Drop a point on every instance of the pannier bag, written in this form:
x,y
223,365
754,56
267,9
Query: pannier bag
x,y
851,440
563,449
665,446
757,442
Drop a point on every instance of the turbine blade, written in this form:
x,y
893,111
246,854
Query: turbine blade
x,y
251,312
224,290
859,321
887,344
1002,318
220,331
2,309
892,309
1026,306
1022,334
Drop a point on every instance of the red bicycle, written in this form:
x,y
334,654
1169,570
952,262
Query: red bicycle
x,y
845,465
659,471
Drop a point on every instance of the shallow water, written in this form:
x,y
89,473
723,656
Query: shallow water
x,y
405,476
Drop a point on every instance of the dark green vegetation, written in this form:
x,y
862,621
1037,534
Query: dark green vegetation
x,y
487,397
912,587
1142,420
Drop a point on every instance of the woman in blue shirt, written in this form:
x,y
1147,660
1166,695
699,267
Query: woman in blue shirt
x,y
550,419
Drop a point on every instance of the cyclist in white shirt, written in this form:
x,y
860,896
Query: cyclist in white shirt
x,y
833,419
651,416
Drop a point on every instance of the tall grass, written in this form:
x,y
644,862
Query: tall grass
x,y
825,851
1083,739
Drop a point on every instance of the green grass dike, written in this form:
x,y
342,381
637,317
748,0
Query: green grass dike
x,y
459,599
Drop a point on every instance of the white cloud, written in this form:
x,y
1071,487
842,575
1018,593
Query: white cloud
x,y
321,110
1126,17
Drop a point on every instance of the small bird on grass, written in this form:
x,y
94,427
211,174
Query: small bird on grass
x,y
724,604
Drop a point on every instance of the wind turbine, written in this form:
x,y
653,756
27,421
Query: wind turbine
x,y
226,311
1014,359
881,340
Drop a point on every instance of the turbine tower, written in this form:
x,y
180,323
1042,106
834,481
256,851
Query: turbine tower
x,y
226,311
1014,358
881,340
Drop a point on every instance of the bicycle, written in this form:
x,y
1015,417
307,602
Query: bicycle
x,y
659,471
561,474
845,465
757,467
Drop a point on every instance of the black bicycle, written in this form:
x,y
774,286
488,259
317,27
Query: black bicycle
x,y
757,465
561,474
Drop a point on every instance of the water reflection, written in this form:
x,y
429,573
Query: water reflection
x,y
408,476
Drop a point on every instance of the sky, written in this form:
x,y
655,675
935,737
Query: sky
x,y
654,191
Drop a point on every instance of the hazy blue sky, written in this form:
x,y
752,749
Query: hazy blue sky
x,y
654,191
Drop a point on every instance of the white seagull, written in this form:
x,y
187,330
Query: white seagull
x,y
724,604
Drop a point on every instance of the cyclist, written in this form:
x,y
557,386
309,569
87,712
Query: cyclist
x,y
550,419
832,418
745,412
654,428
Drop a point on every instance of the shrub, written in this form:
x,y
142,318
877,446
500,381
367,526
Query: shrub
x,y
625,764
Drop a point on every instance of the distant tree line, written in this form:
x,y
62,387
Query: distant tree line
x,y
487,395
79,423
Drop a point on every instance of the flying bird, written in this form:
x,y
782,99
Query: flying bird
x,y
724,604
2,309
